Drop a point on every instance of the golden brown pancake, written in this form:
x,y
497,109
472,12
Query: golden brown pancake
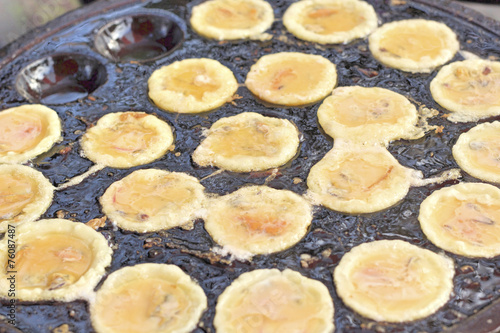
x,y
248,142
394,281
463,219
268,220
478,152
267,300
127,139
54,260
330,21
27,131
470,89
416,45
153,298
367,115
25,194
292,78
232,19
192,86
152,200
358,179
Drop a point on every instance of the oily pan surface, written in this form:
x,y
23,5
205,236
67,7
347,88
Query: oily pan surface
x,y
331,235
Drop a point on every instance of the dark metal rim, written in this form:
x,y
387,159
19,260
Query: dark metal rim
x,y
32,38
465,13
482,1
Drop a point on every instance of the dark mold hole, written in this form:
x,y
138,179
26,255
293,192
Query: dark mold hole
x,y
60,78
143,37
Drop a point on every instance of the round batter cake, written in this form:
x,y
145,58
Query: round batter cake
x,y
25,194
27,131
248,142
232,19
463,219
268,220
470,89
394,281
55,259
358,179
292,78
330,21
478,152
267,300
416,45
373,115
127,139
192,86
152,200
154,298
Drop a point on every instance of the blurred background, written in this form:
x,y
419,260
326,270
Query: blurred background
x,y
20,16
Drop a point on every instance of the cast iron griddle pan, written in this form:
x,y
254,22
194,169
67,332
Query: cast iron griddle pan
x,y
122,86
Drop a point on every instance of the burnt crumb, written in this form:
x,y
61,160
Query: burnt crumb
x,y
362,48
367,326
439,129
85,121
211,257
370,73
150,242
268,173
61,214
65,150
473,286
62,329
97,223
466,269
234,98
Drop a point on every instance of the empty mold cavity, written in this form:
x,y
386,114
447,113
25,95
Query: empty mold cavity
x,y
61,78
140,37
